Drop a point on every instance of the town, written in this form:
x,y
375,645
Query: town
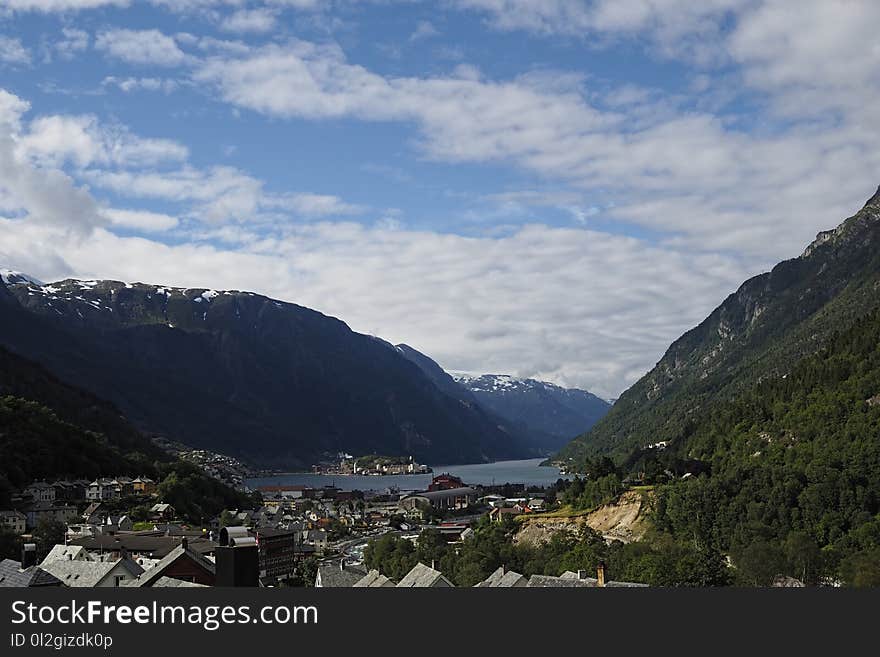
x,y
346,464
118,532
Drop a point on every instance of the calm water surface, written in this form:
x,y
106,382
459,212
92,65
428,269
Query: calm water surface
x,y
527,472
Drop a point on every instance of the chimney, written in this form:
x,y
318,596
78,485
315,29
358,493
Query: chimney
x,y
600,574
342,564
184,543
28,555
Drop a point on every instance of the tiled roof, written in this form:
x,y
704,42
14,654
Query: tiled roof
x,y
151,576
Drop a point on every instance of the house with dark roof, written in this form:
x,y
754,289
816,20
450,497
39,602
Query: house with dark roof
x,y
182,563
12,575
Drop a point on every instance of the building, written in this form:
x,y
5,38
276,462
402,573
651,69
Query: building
x,y
445,481
143,486
103,489
422,576
13,521
12,575
182,563
67,553
38,511
40,491
277,553
162,512
374,580
444,500
93,574
502,578
338,575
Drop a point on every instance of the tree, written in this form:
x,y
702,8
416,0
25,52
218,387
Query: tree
x,y
48,533
10,544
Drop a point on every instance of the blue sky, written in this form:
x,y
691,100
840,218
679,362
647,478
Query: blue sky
x,y
554,189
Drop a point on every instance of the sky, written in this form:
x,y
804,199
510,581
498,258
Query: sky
x,y
546,188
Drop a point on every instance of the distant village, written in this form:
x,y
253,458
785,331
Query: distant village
x,y
299,536
372,465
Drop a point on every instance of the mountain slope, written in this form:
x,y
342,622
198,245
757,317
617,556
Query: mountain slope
x,y
271,382
756,334
541,416
541,408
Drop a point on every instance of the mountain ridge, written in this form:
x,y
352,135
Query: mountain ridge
x,y
757,332
269,381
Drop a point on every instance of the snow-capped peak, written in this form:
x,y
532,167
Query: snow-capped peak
x,y
11,277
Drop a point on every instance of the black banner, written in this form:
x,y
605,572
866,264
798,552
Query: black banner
x,y
140,622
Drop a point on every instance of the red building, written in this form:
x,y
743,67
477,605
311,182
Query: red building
x,y
445,481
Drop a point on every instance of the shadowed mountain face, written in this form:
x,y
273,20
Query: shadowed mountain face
x,y
275,383
757,334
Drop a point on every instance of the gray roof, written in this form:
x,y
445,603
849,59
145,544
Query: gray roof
x,y
151,576
502,579
170,582
443,494
548,581
332,576
373,579
569,574
422,576
11,575
67,553
87,574
614,584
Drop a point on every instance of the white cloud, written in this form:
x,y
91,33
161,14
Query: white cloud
x,y
688,174
72,41
62,5
249,20
573,306
12,51
131,84
141,220
84,141
44,196
145,47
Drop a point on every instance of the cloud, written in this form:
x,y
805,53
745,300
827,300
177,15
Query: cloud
x,y
424,30
704,182
250,20
72,41
48,6
144,47
574,306
141,220
84,141
43,196
12,51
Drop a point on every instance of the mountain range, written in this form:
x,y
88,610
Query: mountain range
x,y
272,382
541,409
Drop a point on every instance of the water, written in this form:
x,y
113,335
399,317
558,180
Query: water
x,y
528,472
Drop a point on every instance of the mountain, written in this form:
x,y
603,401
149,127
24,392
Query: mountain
x,y
757,334
273,383
541,416
541,408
